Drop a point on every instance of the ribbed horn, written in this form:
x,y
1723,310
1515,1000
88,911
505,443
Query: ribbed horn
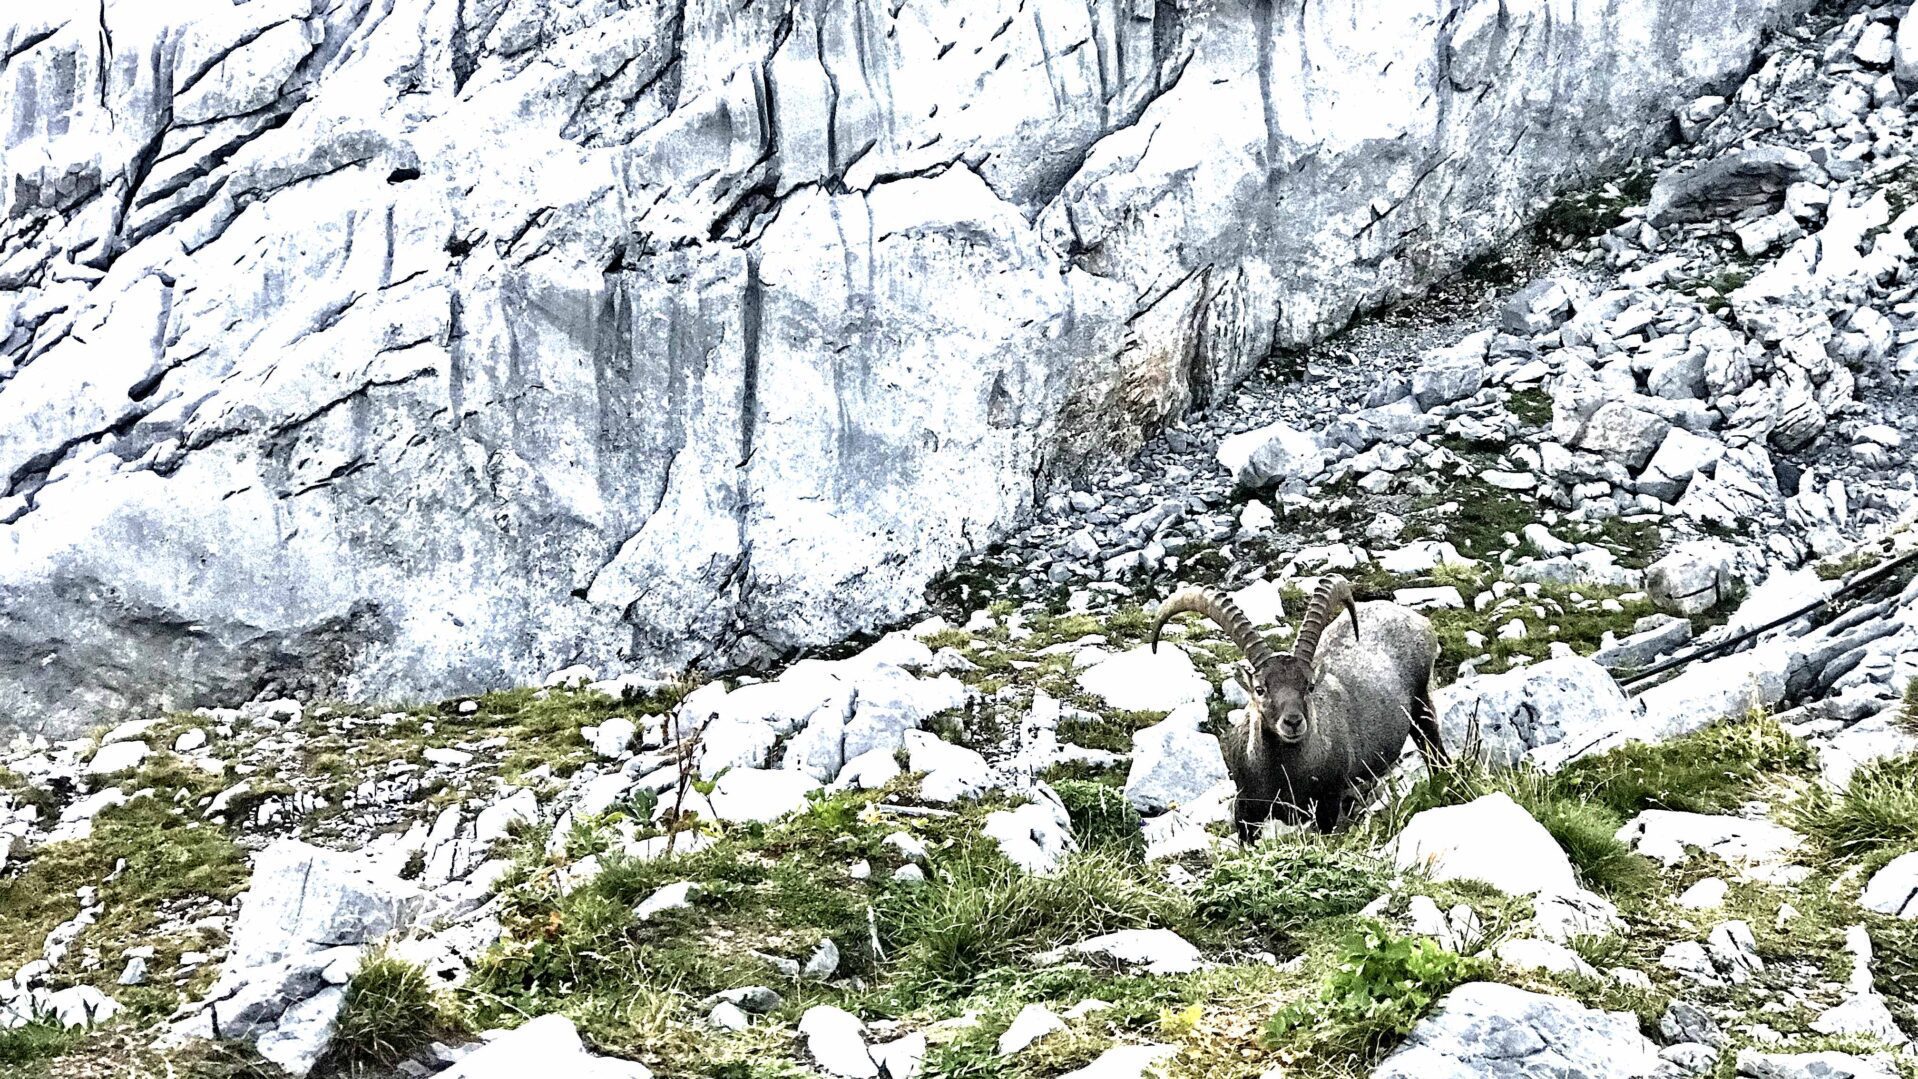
x,y
1220,610
1333,591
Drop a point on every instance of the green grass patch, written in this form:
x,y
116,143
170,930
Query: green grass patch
x,y
1279,887
980,912
1713,770
1833,569
390,1011
1877,810
1102,818
1533,407
1582,215
37,1042
158,857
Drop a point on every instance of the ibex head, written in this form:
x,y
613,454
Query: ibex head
x,y
1279,684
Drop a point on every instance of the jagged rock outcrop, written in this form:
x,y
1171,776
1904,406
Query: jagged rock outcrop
x,y
412,347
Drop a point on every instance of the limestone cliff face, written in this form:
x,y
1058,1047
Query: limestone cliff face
x,y
406,347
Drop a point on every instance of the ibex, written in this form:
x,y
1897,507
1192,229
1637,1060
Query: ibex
x,y
1328,719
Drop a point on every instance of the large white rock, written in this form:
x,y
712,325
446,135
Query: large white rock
x,y
952,772
1893,890
1263,602
1759,848
548,1045
1143,680
1271,455
1036,836
836,1040
1537,705
774,315
1490,839
1754,1064
1173,762
303,1032
1153,951
1125,1062
1692,579
1486,1030
304,899
760,794
117,757
1033,1022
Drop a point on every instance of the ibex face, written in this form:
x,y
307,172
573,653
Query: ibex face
x,y
1281,690
1280,685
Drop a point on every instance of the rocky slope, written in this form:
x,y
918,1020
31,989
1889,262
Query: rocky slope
x,y
995,843
420,347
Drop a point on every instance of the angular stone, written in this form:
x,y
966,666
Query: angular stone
x,y
1141,679
1692,579
548,1045
1272,454
1513,713
304,899
1490,839
1893,890
1726,185
1495,1031
1621,433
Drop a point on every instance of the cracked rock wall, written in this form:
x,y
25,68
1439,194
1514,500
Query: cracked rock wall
x,y
410,347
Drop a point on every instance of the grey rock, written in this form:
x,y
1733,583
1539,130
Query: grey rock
x,y
1727,185
304,899
1660,638
304,1032
1692,579
1753,1064
1153,951
1496,1031
1513,713
548,1045
836,1039
1684,1021
1173,762
1893,889
1442,383
1619,432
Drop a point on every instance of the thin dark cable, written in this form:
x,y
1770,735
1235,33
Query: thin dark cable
x,y
1877,574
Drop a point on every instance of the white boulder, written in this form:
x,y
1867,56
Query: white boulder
x,y
1490,839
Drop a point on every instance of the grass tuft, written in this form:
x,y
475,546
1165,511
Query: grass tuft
x,y
1279,887
980,912
1713,770
391,1010
1877,810
1102,818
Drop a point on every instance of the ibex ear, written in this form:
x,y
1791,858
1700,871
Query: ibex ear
x,y
1243,675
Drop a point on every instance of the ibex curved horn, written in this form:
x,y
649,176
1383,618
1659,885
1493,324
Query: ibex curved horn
x,y
1220,610
1333,591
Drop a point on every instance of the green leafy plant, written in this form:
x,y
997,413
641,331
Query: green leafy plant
x,y
1382,986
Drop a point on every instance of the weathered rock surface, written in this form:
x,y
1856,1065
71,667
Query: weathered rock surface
x,y
769,316
1485,1029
